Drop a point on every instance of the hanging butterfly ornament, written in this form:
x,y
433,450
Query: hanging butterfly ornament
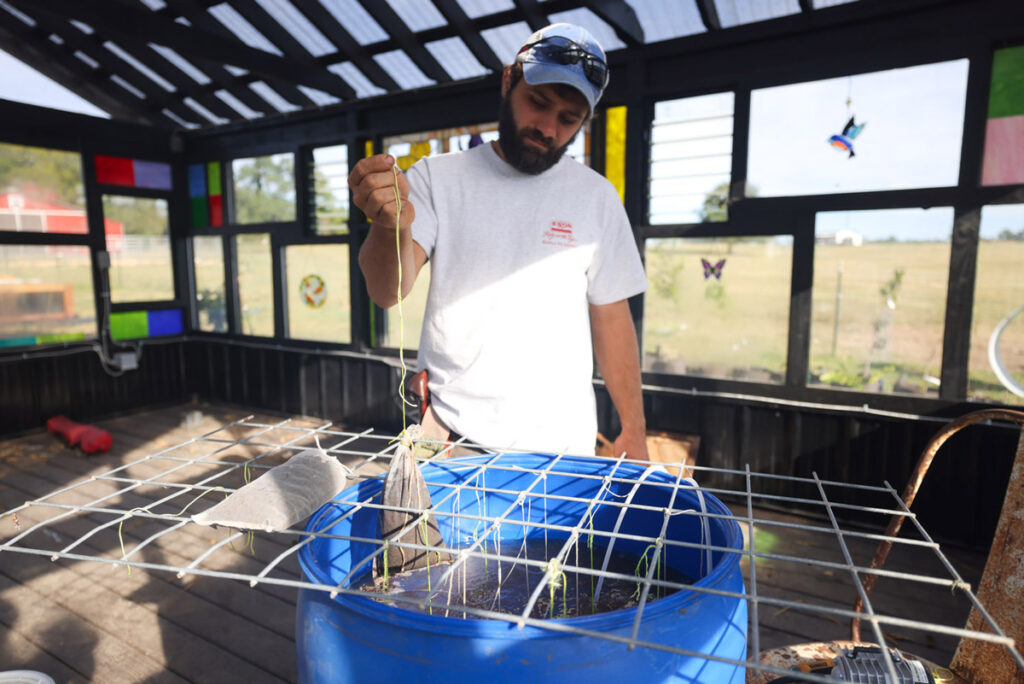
x,y
844,141
712,269
313,290
713,272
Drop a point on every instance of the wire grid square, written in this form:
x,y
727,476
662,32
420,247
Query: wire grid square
x,y
138,516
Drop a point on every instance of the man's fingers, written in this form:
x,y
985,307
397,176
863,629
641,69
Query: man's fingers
x,y
369,166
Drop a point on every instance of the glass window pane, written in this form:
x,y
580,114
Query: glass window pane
x,y
41,190
208,261
329,180
46,294
319,307
264,189
413,308
718,308
255,284
409,148
996,366
878,303
691,159
1004,130
912,121
139,244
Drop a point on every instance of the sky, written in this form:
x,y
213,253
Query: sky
x,y
21,83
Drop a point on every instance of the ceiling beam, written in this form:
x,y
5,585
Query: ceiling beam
x,y
709,15
132,20
531,11
349,48
400,32
457,19
621,17
80,80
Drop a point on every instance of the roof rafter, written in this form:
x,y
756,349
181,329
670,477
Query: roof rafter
x,y
459,20
284,40
127,20
621,17
709,15
349,48
536,18
49,59
399,31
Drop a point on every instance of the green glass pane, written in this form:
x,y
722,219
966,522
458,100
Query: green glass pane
x,y
130,325
213,178
200,212
60,337
1006,97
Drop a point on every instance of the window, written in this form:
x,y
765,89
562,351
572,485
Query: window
x,y
691,159
41,190
264,189
329,180
1004,130
255,283
912,123
317,289
139,244
208,261
996,365
878,303
718,307
46,294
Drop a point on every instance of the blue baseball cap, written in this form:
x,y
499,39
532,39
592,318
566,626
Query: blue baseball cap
x,y
569,54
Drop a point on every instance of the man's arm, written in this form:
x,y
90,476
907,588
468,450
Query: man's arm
x,y
373,190
619,360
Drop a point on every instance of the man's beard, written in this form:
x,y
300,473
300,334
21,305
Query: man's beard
x,y
518,153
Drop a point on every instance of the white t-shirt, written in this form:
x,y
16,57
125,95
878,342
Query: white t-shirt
x,y
515,260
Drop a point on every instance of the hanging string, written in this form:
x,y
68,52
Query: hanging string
x,y
401,315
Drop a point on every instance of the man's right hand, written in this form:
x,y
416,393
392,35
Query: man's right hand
x,y
373,190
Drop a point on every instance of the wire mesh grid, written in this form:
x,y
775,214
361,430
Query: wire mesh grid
x,y
797,570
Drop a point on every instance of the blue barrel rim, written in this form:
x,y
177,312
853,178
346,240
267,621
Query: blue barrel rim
x,y
606,621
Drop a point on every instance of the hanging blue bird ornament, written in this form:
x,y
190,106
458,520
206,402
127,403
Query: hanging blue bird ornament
x,y
844,141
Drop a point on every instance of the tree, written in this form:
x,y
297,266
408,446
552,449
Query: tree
x,y
265,190
46,174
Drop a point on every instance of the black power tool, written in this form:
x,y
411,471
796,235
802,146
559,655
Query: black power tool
x,y
865,665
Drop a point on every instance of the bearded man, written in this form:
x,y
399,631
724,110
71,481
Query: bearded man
x,y
532,262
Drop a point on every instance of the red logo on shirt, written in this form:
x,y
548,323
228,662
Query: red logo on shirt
x,y
559,233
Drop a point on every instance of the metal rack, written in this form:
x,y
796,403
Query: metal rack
x,y
120,516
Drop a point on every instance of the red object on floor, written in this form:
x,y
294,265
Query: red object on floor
x,y
92,439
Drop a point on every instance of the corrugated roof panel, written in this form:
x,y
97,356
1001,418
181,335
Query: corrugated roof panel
x,y
87,59
18,14
293,21
270,95
139,66
81,26
481,8
506,40
402,69
456,58
54,38
236,104
418,15
154,4
666,20
356,21
204,112
246,32
128,86
321,98
830,3
363,86
600,29
736,12
235,71
183,64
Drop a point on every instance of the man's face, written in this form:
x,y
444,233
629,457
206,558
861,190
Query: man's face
x,y
537,124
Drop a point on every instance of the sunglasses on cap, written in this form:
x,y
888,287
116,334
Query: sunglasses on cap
x,y
563,51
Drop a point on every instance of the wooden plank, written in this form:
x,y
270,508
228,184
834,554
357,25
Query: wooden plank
x,y
17,652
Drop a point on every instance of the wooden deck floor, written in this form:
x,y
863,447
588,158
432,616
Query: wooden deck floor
x,y
88,621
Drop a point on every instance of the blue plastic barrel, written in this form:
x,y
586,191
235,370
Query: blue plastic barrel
x,y
353,638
